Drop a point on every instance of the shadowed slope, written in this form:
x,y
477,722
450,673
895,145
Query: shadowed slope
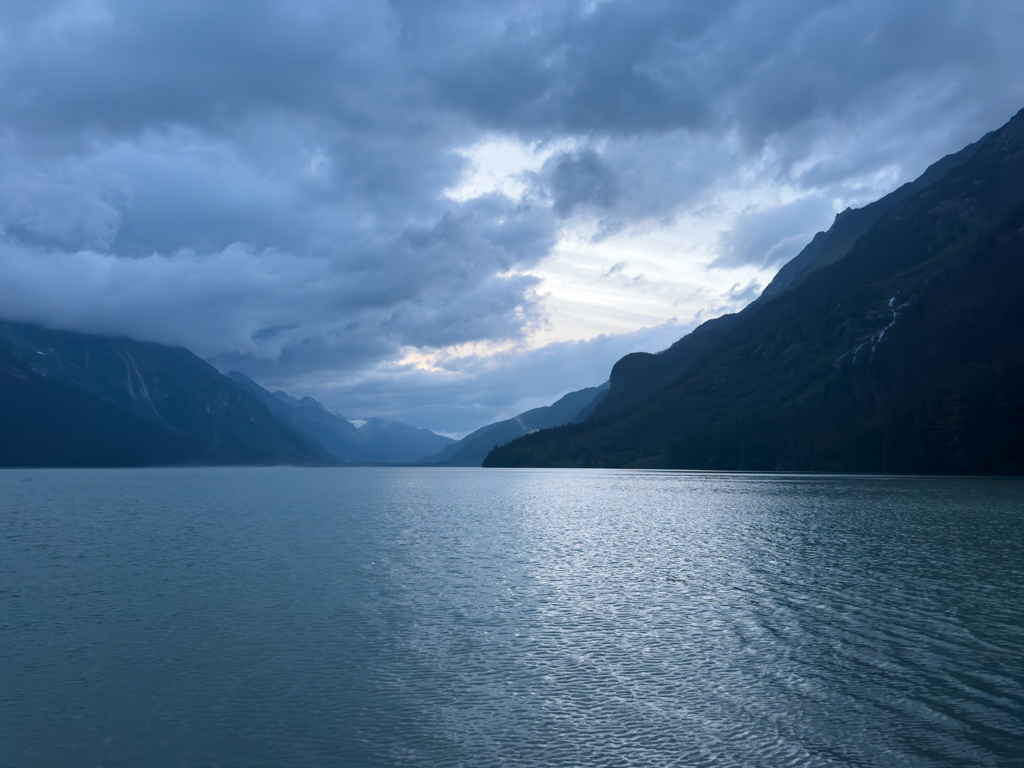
x,y
471,450
905,355
73,399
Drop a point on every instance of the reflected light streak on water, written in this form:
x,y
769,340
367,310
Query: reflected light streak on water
x,y
393,617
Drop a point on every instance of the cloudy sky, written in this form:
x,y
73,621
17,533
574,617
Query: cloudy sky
x,y
449,212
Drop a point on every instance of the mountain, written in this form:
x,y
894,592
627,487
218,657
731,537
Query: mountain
x,y
471,450
74,399
895,343
375,441
828,247
393,441
329,433
640,375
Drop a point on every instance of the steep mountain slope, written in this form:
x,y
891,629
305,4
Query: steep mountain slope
x,y
376,441
471,450
905,354
828,247
641,375
393,441
330,433
72,399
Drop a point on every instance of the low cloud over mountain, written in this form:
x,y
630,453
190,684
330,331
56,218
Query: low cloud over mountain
x,y
272,186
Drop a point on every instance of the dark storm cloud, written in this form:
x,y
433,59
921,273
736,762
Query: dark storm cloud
x,y
786,75
619,68
626,68
265,182
579,178
125,65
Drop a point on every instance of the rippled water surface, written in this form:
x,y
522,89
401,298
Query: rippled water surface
x,y
407,617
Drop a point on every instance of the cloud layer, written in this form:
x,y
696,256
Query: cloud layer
x,y
272,184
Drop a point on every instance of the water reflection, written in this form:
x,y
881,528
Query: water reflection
x,y
468,617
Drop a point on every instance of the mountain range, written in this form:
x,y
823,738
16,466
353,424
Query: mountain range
x,y
375,440
894,342
75,399
471,450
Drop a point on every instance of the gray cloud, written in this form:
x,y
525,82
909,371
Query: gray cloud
x,y
464,393
741,295
773,236
266,183
577,179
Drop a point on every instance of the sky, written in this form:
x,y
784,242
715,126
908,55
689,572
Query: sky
x,y
449,212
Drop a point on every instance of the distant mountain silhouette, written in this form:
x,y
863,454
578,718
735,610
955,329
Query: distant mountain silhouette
x,y
393,441
74,399
376,441
894,342
471,450
332,434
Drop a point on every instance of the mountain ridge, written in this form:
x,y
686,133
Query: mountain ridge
x,y
641,374
767,388
375,441
73,399
84,400
831,245
471,450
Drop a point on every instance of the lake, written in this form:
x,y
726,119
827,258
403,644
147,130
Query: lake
x,y
468,617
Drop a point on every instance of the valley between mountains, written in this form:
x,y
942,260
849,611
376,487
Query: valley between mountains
x,y
894,342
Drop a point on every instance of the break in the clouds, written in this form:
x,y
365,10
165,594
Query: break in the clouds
x,y
444,211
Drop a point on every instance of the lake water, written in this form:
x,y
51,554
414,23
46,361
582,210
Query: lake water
x,y
450,617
